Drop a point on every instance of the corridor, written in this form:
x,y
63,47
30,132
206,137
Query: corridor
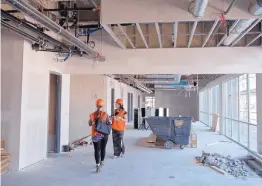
x,y
141,166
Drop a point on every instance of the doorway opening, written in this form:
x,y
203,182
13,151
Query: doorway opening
x,y
53,144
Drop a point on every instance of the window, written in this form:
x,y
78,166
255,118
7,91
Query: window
x,y
150,102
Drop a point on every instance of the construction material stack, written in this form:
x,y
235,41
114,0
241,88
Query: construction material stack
x,y
5,158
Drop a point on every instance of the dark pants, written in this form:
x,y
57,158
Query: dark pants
x,y
100,149
118,142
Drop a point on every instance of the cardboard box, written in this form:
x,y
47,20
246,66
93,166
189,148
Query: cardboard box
x,y
193,140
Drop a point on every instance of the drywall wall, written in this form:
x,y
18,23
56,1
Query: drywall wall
x,y
25,95
221,60
37,67
11,89
121,91
84,91
186,106
165,11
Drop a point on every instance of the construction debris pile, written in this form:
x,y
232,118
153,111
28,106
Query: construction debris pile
x,y
222,164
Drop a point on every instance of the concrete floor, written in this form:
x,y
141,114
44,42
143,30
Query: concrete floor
x,y
141,166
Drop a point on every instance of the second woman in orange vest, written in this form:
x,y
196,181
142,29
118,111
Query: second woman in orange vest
x,y
99,140
118,127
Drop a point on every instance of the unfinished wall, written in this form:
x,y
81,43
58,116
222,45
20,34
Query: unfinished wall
x,y
84,91
186,106
25,98
11,89
121,91
35,104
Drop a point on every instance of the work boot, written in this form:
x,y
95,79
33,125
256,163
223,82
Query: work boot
x,y
97,168
102,164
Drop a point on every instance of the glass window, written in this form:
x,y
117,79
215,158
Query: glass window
x,y
252,99
243,107
150,102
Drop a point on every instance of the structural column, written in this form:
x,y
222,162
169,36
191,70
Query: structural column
x,y
259,112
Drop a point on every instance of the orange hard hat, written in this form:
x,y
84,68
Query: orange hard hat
x,y
119,101
99,102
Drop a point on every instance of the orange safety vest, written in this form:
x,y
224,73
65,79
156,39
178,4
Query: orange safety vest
x,y
118,124
93,117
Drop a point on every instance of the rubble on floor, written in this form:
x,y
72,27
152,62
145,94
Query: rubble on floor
x,y
232,166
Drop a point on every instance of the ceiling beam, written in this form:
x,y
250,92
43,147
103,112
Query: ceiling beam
x,y
254,40
125,34
141,34
175,27
210,33
192,34
159,35
230,30
244,33
113,35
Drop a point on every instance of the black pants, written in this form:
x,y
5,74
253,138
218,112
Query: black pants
x,y
118,143
100,149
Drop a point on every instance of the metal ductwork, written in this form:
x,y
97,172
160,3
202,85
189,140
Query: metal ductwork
x,y
199,7
256,8
174,78
138,84
24,7
235,33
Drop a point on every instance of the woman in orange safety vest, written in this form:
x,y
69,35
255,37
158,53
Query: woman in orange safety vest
x,y
99,140
118,127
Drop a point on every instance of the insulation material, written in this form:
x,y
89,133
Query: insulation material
x,y
250,37
207,26
199,28
182,41
138,40
153,37
167,41
167,29
197,41
119,34
183,28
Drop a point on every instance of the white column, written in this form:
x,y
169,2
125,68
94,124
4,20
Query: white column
x,y
259,112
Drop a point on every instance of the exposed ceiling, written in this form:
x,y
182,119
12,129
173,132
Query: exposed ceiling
x,y
182,34
150,83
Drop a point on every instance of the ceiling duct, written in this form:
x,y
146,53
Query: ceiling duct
x,y
240,27
256,8
41,18
174,78
199,7
138,84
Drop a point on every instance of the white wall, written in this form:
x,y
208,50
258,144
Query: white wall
x,y
186,106
25,98
11,89
35,104
121,91
84,91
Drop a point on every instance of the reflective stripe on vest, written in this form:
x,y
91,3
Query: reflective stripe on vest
x,y
93,116
117,124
